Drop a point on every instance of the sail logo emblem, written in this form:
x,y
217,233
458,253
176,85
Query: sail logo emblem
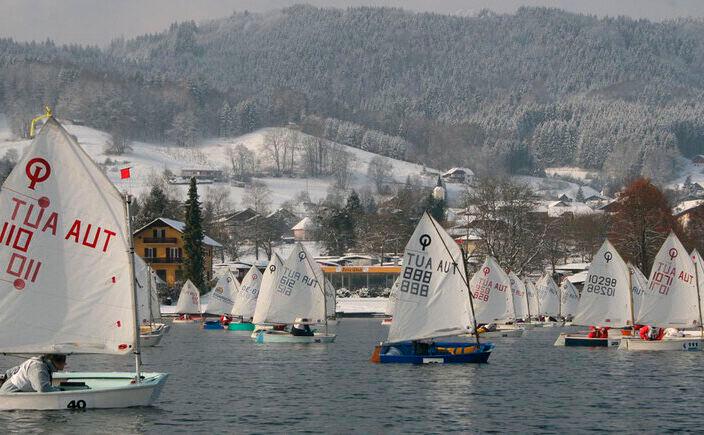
x,y
301,256
254,277
425,241
219,290
673,253
608,256
228,279
272,268
486,271
37,170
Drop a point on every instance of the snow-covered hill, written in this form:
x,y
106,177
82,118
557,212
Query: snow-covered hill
x,y
148,161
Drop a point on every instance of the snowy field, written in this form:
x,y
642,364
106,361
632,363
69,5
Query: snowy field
x,y
148,162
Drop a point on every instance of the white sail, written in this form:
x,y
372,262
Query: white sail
x,y
189,299
299,292
142,278
548,296
639,284
391,303
606,294
533,301
520,301
699,274
491,290
222,297
65,268
270,279
569,299
671,297
330,299
432,299
246,301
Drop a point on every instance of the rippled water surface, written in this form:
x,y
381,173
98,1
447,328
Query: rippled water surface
x,y
223,382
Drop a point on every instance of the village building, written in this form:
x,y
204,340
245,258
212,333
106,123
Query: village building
x,y
160,243
304,229
458,175
698,160
685,211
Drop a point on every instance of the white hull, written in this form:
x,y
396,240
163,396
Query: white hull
x,y
154,337
667,343
515,326
187,321
107,390
271,336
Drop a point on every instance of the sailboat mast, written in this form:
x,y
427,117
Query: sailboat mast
x,y
630,299
699,301
527,301
137,342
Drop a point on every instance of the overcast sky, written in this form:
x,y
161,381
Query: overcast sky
x,y
100,21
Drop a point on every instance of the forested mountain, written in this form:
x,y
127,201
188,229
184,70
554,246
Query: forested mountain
x,y
516,92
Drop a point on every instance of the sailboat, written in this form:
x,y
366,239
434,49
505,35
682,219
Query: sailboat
x,y
521,301
390,303
533,303
331,303
432,302
606,300
222,299
493,300
569,299
671,300
246,300
150,331
67,282
188,305
549,297
297,298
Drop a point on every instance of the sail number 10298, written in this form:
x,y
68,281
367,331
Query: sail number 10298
x,y
601,285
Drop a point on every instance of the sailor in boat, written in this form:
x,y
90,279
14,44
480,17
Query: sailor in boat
x,y
225,319
34,375
184,317
489,327
651,333
595,332
302,329
673,332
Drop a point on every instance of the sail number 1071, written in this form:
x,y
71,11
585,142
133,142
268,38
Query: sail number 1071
x,y
601,285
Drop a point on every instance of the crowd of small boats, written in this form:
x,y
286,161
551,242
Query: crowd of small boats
x,y
70,269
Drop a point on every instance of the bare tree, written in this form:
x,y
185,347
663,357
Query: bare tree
x,y
503,213
278,143
380,172
257,196
242,161
340,166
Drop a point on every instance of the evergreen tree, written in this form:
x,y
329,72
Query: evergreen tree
x,y
155,205
580,195
193,239
436,207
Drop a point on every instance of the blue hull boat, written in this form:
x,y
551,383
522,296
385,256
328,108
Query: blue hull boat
x,y
212,324
437,352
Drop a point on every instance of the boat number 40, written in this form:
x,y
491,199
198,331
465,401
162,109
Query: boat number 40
x,y
76,404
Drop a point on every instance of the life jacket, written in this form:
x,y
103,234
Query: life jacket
x,y
21,380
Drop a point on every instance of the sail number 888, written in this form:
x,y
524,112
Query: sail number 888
x,y
601,285
416,281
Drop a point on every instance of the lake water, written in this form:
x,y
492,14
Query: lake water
x,y
222,382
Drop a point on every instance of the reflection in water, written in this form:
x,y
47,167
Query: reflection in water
x,y
222,381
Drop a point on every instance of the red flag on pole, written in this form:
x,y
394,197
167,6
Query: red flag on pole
x,y
125,173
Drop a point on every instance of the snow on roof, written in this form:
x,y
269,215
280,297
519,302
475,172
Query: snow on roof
x,y
180,227
305,224
685,206
559,208
573,267
467,171
578,278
